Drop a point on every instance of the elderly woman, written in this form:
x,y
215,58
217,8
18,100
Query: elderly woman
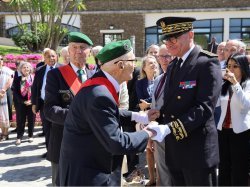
x,y
144,90
234,123
22,91
6,78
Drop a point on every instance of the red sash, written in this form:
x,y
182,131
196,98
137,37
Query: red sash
x,y
102,81
71,79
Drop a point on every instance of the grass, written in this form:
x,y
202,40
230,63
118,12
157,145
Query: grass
x,y
10,50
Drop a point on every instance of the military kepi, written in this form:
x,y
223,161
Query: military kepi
x,y
175,26
114,50
79,37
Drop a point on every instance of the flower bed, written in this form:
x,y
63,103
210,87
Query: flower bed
x,y
10,60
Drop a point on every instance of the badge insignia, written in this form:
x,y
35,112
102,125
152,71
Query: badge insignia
x,y
187,84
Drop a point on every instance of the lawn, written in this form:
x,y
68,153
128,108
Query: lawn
x,y
10,50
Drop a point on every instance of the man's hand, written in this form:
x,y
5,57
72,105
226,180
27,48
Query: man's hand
x,y
153,114
34,109
143,104
161,130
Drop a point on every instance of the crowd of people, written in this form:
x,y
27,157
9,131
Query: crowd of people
x,y
189,109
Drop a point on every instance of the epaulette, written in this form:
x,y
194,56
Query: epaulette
x,y
208,54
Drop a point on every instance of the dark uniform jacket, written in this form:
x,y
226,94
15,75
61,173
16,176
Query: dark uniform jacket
x,y
37,86
189,102
56,105
93,144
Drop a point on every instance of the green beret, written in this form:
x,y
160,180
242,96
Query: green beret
x,y
79,38
114,50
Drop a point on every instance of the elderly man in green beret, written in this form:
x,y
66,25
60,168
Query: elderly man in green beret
x,y
93,144
61,86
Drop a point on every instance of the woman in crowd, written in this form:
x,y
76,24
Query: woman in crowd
x,y
22,91
234,123
6,78
144,90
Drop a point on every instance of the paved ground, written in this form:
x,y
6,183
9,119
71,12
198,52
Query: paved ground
x,y
22,165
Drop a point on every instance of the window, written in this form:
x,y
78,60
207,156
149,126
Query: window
x,y
204,30
240,29
15,30
111,37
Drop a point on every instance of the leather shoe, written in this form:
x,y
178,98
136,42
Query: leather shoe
x,y
14,130
18,141
44,155
30,139
41,134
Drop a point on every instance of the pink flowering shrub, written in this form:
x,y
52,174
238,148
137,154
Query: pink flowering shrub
x,y
10,60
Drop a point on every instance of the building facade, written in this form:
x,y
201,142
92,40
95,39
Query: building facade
x,y
109,20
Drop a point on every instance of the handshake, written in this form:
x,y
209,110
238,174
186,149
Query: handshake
x,y
156,132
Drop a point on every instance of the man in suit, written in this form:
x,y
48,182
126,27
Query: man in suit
x,y
93,144
61,86
164,59
212,46
191,92
38,90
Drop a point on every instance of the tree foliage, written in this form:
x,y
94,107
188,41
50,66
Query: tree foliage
x,y
45,28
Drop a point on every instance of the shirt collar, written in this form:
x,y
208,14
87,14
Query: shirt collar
x,y
113,81
48,67
184,57
76,68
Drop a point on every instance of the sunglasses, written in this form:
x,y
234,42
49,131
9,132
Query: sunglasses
x,y
133,60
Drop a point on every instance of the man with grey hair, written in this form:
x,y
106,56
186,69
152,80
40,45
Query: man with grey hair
x,y
234,46
93,121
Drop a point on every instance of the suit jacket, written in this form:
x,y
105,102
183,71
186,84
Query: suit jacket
x,y
37,86
157,103
240,108
215,46
58,98
133,100
16,88
93,145
191,105
142,91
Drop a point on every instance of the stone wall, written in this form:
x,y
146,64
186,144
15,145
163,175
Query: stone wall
x,y
132,24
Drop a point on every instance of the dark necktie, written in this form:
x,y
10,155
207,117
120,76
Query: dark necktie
x,y
51,67
80,74
160,86
176,69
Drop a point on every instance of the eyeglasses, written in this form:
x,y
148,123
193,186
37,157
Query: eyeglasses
x,y
165,56
132,60
173,39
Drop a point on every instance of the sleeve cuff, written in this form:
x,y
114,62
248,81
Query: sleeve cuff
x,y
140,117
236,87
178,130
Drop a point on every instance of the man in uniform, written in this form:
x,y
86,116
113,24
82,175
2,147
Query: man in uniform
x,y
62,85
191,92
93,144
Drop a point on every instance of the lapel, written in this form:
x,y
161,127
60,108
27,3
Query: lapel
x,y
185,69
145,86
